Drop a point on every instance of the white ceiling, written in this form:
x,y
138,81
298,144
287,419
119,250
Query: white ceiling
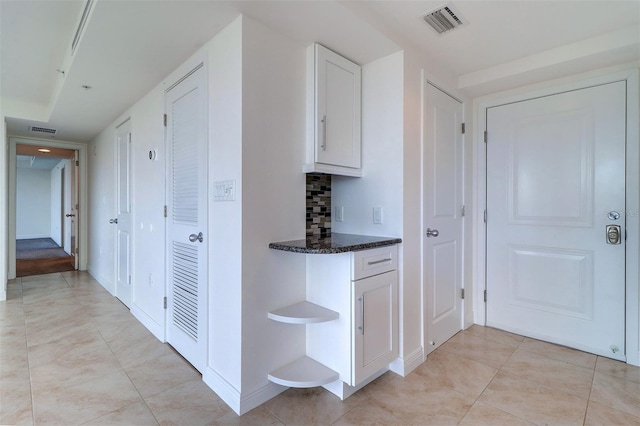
x,y
130,46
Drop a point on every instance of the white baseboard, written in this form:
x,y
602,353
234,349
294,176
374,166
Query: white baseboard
x,y
406,365
151,325
108,285
3,295
344,391
239,403
251,400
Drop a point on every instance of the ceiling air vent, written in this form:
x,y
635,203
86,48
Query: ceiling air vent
x,y
83,20
36,129
443,19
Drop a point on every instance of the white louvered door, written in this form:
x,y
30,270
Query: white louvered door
x,y
187,218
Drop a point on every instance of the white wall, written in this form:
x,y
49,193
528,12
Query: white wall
x,y
33,203
4,199
224,370
148,199
101,207
273,197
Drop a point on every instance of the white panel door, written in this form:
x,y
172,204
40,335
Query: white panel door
x,y
443,223
375,327
186,109
123,213
555,181
67,208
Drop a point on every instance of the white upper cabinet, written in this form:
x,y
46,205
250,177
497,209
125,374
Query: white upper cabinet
x,y
334,110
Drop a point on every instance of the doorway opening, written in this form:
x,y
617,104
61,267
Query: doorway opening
x,y
45,210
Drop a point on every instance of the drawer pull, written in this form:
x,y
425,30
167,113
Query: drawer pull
x,y
375,262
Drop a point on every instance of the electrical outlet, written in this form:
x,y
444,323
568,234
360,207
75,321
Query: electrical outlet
x,y
377,215
339,213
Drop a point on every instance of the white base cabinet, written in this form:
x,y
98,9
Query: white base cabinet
x,y
362,287
351,319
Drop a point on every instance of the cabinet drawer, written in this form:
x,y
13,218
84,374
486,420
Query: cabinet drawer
x,y
373,262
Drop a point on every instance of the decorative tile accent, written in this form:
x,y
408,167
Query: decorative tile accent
x,y
318,205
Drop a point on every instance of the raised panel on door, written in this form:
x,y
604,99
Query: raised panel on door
x,y
443,225
555,169
187,218
374,324
337,110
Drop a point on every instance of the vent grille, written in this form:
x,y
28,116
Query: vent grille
x,y
443,19
83,20
43,130
185,288
184,163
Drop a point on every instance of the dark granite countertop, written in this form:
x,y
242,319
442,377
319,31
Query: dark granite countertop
x,y
336,243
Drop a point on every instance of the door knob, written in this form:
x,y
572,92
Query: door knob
x,y
113,220
432,232
193,237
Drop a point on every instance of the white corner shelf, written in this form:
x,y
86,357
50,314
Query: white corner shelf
x,y
303,313
303,373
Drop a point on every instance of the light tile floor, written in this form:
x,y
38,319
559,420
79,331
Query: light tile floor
x,y
72,354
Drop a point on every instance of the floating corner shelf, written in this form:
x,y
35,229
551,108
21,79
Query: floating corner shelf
x,y
303,313
303,373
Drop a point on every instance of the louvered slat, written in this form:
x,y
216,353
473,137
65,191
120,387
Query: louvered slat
x,y
185,288
185,164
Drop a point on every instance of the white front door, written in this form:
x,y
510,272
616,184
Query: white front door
x,y
555,186
442,222
123,213
186,108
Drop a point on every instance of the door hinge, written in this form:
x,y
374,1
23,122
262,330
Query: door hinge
x,y
462,293
485,216
485,296
485,136
463,128
129,279
164,302
164,120
77,162
165,211
463,211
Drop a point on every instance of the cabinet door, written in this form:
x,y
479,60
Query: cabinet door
x,y
374,324
337,135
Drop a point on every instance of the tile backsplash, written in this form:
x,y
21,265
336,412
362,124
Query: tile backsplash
x,y
318,205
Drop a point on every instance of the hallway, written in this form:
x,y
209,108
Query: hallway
x,y
70,353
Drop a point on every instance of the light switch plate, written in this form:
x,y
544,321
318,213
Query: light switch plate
x,y
339,213
377,215
224,190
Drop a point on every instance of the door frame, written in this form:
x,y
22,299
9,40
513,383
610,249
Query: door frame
x,y
11,206
632,79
